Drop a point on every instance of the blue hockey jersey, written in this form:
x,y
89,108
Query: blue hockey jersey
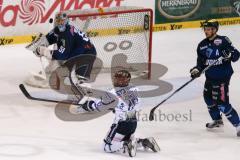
x,y
209,51
72,42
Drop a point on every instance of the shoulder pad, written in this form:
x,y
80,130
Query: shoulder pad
x,y
227,39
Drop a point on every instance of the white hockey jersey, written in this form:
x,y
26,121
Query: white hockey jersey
x,y
124,100
128,102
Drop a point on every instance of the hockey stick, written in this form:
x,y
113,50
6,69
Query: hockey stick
x,y
27,95
151,116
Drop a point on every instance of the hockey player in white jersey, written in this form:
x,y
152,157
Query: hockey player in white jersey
x,y
120,138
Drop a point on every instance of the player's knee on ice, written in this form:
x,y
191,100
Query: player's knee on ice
x,y
113,145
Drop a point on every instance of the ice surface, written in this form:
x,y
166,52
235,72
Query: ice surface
x,y
31,131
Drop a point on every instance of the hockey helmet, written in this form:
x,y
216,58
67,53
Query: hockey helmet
x,y
122,78
211,23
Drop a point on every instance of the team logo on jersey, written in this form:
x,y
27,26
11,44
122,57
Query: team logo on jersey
x,y
209,52
217,42
213,61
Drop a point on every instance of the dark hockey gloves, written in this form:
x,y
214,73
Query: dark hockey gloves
x,y
227,55
195,72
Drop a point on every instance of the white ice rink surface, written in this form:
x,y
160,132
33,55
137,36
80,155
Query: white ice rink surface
x,y
31,131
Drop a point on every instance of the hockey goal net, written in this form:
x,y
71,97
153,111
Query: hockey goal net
x,y
122,36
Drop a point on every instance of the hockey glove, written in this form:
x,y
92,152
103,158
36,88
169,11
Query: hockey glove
x,y
227,55
44,51
90,106
36,53
40,40
195,72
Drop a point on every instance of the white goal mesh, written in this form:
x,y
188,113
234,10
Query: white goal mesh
x,y
118,34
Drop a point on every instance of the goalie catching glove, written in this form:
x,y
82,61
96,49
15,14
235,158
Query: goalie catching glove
x,y
44,51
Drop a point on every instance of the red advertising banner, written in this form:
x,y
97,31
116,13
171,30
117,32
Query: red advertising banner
x,y
36,11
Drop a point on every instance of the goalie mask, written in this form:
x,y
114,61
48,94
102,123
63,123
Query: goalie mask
x,y
121,78
61,21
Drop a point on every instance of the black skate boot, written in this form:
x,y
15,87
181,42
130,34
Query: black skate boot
x,y
238,131
149,143
215,124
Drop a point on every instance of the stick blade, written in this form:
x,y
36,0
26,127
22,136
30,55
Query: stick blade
x,y
27,95
24,91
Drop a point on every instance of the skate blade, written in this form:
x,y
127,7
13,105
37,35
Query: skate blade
x,y
216,130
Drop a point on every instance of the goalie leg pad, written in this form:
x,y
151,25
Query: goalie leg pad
x,y
41,80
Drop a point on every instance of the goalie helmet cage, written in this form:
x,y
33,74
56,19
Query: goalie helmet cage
x,y
122,37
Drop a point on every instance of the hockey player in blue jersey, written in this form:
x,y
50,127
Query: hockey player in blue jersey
x,y
216,89
71,43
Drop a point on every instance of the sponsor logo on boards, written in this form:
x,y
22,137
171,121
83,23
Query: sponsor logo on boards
x,y
178,9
